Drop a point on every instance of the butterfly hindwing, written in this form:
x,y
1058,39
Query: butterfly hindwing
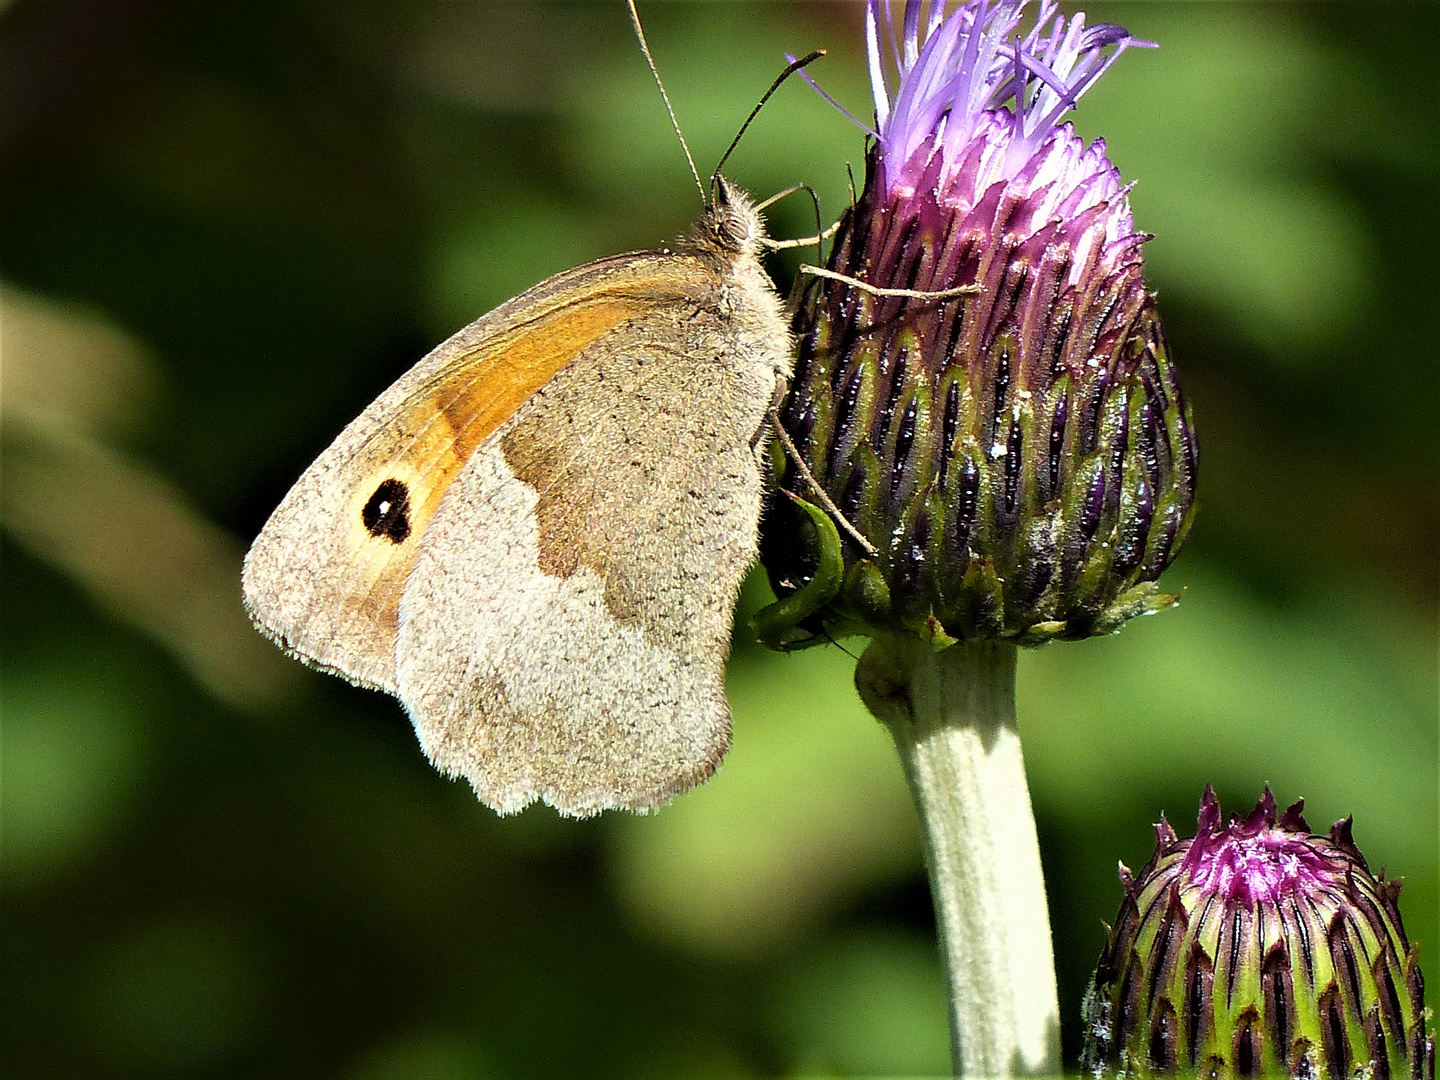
x,y
584,655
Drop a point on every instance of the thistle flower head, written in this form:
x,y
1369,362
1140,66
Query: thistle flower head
x,y
1021,457
1258,948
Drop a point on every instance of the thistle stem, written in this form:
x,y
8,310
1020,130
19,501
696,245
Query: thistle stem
x,y
952,714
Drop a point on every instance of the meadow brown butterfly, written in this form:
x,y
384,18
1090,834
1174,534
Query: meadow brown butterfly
x,y
535,537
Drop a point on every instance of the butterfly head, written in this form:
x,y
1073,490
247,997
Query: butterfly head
x,y
731,224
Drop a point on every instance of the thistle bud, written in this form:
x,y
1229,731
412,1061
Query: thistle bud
x,y
1021,456
1258,949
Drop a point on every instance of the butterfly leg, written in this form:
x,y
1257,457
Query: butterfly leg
x,y
876,290
793,453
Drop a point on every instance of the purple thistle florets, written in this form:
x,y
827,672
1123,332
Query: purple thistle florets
x,y
1258,948
1021,458
954,83
1253,860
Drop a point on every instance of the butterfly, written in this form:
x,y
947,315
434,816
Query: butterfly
x,y
535,537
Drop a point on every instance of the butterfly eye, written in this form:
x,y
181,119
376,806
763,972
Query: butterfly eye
x,y
387,513
732,230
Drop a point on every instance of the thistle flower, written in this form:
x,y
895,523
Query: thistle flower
x,y
1258,948
1021,457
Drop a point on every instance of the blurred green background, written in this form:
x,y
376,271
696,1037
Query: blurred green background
x,y
227,226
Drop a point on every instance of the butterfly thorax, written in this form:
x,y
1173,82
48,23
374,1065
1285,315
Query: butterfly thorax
x,y
729,237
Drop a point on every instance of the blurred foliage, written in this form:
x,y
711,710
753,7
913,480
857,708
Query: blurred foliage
x,y
227,226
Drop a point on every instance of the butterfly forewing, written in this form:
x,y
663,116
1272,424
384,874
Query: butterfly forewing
x,y
325,575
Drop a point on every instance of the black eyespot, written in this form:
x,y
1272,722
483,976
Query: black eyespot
x,y
387,513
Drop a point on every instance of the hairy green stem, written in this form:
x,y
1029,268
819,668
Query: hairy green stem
x,y
952,714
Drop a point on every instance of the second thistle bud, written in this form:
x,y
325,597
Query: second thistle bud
x,y
1021,457
1258,949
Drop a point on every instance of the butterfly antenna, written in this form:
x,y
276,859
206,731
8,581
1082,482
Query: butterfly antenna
x,y
645,48
795,65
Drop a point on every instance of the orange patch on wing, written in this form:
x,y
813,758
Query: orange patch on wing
x,y
464,404
495,385
504,381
